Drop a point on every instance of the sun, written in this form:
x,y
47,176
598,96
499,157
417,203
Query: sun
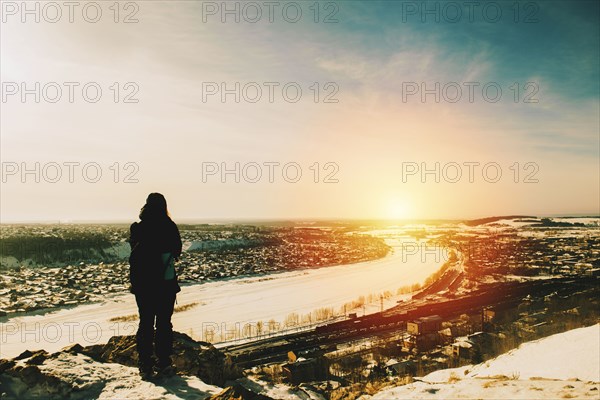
x,y
398,208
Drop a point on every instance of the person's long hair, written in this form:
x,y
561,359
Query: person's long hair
x,y
155,208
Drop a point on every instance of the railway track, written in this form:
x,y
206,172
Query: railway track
x,y
326,337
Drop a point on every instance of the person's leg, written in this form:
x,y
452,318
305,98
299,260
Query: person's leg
x,y
164,329
145,332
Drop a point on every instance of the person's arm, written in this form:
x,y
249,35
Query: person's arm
x,y
133,235
134,239
177,245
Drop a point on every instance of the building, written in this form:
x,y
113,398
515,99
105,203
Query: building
x,y
468,347
303,370
489,314
420,343
462,348
424,325
404,367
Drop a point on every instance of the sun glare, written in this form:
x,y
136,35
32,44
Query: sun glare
x,y
398,209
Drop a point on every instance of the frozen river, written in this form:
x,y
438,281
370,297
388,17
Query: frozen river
x,y
229,305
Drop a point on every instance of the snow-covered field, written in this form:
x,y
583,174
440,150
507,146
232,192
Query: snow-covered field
x,y
583,220
565,365
235,301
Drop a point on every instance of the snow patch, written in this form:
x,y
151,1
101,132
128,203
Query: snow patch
x,y
566,365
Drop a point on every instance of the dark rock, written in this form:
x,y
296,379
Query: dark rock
x,y
38,357
30,375
6,364
238,392
38,384
190,357
73,348
24,355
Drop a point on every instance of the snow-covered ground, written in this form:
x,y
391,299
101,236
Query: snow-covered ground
x,y
583,220
514,223
560,366
235,301
565,365
279,391
76,376
109,381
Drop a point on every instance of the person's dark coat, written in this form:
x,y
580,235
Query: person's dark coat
x,y
149,239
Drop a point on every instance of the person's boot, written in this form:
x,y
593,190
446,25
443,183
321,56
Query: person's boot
x,y
146,370
164,368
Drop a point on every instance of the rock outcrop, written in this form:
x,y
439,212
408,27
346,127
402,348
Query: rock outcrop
x,y
190,357
38,374
30,380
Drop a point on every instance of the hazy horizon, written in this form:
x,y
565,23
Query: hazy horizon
x,y
266,221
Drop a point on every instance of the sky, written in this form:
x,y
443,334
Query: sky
x,y
367,109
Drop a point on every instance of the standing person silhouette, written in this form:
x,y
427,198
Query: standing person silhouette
x,y
155,245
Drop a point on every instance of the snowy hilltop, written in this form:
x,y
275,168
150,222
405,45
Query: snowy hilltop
x,y
109,371
565,365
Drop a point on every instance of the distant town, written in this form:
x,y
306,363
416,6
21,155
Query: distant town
x,y
47,266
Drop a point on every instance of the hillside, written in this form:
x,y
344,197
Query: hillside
x,y
108,371
565,365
